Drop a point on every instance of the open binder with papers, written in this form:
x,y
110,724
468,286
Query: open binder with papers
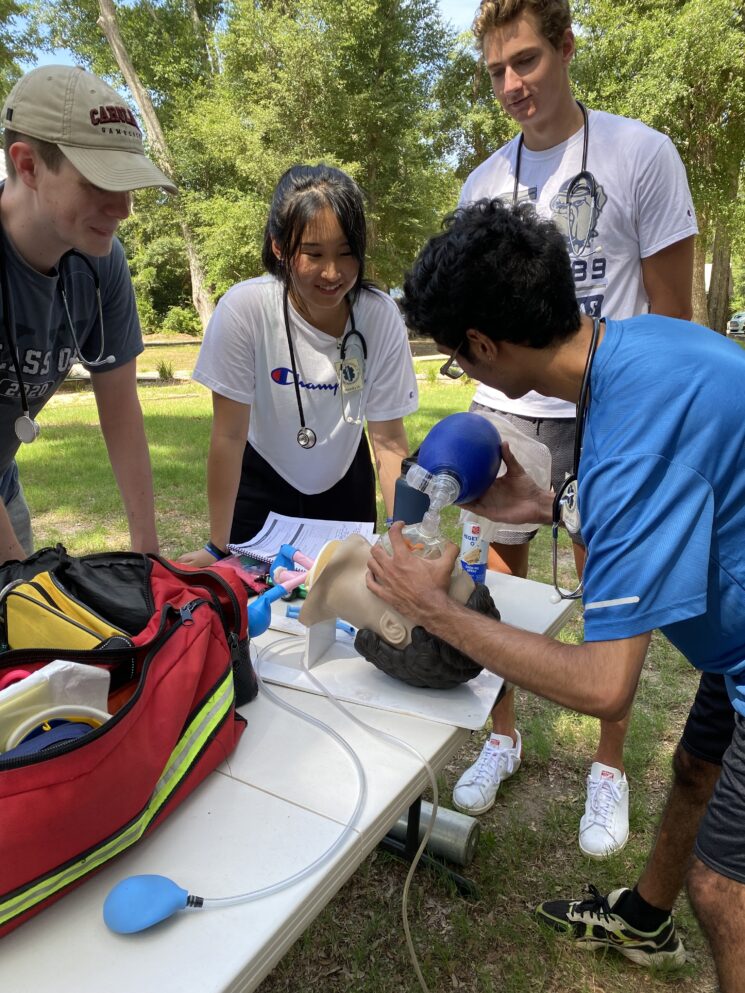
x,y
309,536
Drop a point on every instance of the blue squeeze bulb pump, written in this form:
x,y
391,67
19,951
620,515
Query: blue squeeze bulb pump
x,y
259,612
458,461
137,903
466,447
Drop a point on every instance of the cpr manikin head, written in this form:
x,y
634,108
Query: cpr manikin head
x,y
336,588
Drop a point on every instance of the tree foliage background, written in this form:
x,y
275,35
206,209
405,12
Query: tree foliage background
x,y
388,91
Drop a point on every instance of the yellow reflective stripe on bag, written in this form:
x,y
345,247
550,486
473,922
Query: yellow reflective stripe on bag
x,y
184,756
40,614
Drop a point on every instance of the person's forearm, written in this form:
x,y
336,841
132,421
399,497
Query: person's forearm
x,y
596,678
576,676
130,461
389,451
123,428
389,469
223,476
10,547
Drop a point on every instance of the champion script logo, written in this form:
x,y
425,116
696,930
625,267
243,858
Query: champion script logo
x,y
285,377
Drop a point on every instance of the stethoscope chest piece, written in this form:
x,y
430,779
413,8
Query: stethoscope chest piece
x,y
27,429
306,437
570,506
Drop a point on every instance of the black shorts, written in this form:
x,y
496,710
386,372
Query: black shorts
x,y
711,721
262,489
720,844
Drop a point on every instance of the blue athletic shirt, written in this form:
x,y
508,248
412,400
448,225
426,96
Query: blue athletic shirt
x,y
662,492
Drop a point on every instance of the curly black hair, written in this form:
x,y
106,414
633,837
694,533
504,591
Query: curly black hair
x,y
496,269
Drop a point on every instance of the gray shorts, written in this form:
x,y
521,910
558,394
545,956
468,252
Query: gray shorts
x,y
721,842
557,434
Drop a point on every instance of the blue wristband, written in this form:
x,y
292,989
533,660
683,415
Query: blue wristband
x,y
389,521
215,552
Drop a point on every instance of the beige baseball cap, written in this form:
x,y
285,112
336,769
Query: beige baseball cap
x,y
89,123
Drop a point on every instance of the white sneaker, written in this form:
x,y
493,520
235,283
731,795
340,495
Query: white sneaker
x,y
605,826
476,790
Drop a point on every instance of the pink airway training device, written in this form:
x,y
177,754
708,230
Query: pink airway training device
x,y
289,578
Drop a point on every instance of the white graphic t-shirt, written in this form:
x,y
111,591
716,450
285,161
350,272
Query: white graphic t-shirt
x,y
641,204
245,357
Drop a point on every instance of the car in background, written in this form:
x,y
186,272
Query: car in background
x,y
736,323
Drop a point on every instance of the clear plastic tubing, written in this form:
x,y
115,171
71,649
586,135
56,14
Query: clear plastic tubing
x,y
329,853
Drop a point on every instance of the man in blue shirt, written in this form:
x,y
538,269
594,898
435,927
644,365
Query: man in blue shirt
x,y
662,501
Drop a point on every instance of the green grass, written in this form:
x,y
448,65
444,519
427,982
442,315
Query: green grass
x,y
181,358
528,848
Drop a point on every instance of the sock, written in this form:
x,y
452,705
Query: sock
x,y
642,916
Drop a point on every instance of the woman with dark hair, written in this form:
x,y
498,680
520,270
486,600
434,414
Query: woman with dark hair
x,y
297,361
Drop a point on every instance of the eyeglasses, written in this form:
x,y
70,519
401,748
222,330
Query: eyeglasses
x,y
451,369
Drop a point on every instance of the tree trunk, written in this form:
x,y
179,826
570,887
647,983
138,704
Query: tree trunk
x,y
204,38
700,306
200,295
481,150
720,284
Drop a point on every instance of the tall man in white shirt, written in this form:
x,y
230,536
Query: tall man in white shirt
x,y
618,192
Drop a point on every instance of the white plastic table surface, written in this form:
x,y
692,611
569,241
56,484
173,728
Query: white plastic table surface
x,y
277,803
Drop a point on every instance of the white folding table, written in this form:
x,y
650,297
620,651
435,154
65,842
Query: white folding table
x,y
277,803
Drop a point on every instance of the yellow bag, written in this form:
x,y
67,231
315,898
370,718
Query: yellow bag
x,y
39,613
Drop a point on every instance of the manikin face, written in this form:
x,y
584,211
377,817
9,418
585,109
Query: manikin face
x,y
528,75
72,213
337,588
324,269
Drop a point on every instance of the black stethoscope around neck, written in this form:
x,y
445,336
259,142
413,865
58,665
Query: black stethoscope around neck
x,y
26,427
583,176
566,506
349,370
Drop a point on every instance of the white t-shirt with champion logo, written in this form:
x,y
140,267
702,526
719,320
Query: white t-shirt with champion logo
x,y
245,357
642,205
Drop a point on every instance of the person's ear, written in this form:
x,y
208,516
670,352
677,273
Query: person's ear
x,y
568,47
481,348
277,250
26,163
392,630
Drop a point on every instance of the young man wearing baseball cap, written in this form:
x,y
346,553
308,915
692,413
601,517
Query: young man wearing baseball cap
x,y
73,154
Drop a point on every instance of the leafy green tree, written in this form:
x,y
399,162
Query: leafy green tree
x,y
18,39
246,89
678,65
468,124
351,84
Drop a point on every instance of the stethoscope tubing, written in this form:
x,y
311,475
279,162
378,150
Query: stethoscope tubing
x,y
306,436
583,174
29,430
565,491
571,481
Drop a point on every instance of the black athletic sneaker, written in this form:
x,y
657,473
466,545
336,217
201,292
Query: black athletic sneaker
x,y
591,923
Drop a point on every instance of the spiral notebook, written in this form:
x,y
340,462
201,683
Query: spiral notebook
x,y
308,536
